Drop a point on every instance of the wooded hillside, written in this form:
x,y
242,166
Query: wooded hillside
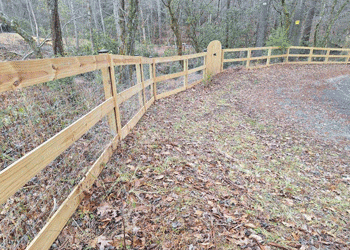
x,y
139,27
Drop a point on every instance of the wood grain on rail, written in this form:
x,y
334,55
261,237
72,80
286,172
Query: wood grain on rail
x,y
20,74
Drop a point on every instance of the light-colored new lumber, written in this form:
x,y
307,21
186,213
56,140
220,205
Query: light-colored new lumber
x,y
331,56
131,124
128,93
214,58
191,71
169,59
300,47
299,55
172,92
310,55
170,76
23,170
186,72
148,82
194,84
259,48
106,79
206,65
115,96
143,87
269,57
248,58
149,103
56,223
140,82
20,74
235,60
120,60
251,48
154,76
203,54
145,60
327,55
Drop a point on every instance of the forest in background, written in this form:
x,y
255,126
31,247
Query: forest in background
x,y
130,27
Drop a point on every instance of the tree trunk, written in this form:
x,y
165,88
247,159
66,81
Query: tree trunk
x,y
2,9
30,19
132,26
159,9
56,31
295,30
287,18
305,37
174,25
90,26
122,25
101,15
74,25
332,21
262,25
319,23
93,13
116,18
227,36
143,25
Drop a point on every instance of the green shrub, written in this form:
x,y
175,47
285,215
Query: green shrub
x,y
278,38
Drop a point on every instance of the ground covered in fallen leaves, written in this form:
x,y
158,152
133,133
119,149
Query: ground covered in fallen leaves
x,y
247,161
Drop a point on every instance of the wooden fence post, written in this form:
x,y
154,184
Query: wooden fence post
x,y
249,55
206,66
143,86
222,59
140,81
327,56
214,58
186,73
348,60
310,55
154,79
268,57
287,58
114,94
107,86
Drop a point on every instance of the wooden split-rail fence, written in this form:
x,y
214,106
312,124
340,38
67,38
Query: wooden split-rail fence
x,y
20,74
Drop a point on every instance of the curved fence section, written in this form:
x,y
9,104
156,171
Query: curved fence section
x,y
155,78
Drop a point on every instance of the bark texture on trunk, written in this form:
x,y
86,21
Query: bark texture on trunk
x,y
295,30
227,35
116,18
56,31
262,25
174,25
306,33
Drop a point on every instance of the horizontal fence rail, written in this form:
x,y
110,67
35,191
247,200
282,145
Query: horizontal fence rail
x,y
21,74
290,55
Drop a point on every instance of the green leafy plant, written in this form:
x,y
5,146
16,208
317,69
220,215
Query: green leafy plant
x,y
279,38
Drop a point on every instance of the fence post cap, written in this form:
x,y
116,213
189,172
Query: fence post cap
x,y
103,51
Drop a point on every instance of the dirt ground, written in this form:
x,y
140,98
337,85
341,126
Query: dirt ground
x,y
255,159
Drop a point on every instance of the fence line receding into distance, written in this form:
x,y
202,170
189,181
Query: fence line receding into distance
x,y
20,74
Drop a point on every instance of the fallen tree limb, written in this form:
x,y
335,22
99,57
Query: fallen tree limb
x,y
27,38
